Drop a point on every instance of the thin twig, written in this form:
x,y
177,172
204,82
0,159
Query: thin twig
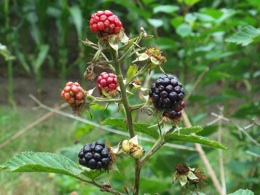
x,y
204,158
220,154
196,83
241,129
104,127
38,121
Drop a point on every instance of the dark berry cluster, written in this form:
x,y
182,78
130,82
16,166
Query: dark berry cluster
x,y
73,93
95,156
107,81
167,95
105,23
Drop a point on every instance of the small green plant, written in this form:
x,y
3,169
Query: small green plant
x,y
163,102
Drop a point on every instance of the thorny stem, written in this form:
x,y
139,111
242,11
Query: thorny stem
x,y
157,145
107,100
137,106
129,119
103,187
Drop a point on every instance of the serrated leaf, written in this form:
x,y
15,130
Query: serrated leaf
x,y
194,139
242,192
245,36
189,130
42,162
140,127
47,162
131,73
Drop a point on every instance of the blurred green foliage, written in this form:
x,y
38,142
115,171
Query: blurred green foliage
x,y
44,36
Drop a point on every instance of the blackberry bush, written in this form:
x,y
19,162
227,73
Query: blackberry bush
x,y
113,54
95,156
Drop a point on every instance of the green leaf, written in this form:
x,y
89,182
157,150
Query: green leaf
x,y
184,30
42,162
155,22
41,57
238,167
242,192
71,152
191,2
254,151
77,18
194,139
92,174
165,9
21,57
131,73
189,130
245,36
47,162
140,127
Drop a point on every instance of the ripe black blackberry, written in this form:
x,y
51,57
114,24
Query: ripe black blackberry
x,y
166,93
95,156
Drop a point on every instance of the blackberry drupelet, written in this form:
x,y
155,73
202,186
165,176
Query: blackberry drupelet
x,y
166,93
95,156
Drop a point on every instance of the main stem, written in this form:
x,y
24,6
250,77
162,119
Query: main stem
x,y
129,119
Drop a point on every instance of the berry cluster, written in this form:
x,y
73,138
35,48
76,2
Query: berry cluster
x,y
95,156
73,93
167,95
105,23
107,82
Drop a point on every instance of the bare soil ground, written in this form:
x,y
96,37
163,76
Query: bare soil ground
x,y
23,86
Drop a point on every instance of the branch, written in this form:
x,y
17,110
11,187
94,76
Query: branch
x,y
221,163
204,158
104,127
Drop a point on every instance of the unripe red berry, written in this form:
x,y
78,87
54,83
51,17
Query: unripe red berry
x,y
105,23
72,93
107,82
